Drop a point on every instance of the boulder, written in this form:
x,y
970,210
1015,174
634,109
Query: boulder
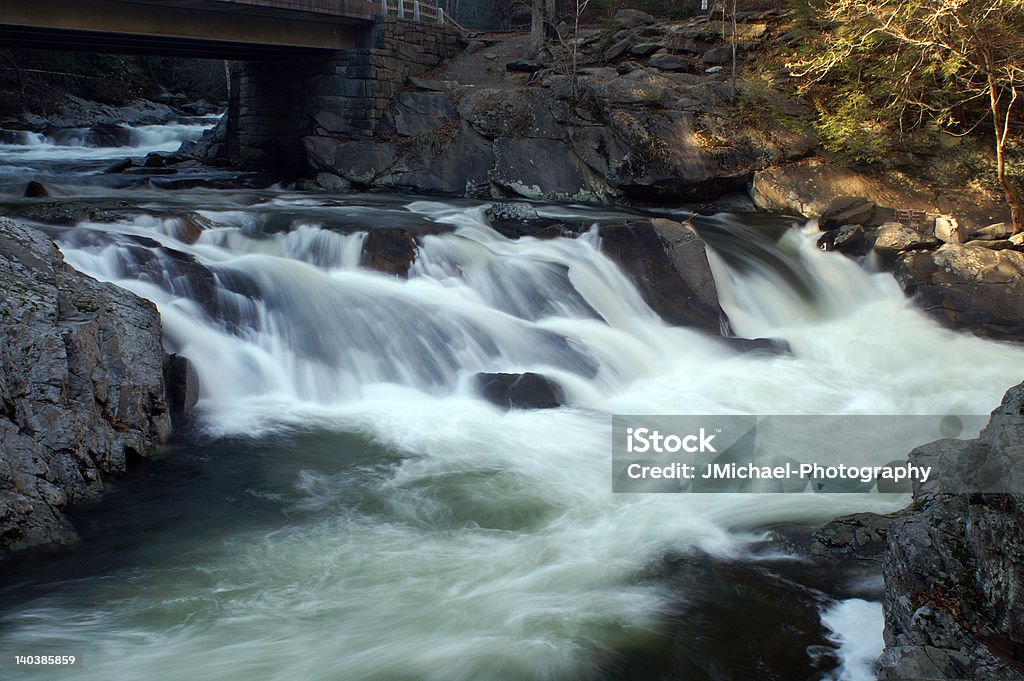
x,y
968,287
524,66
668,262
81,387
849,239
632,18
846,210
36,190
949,230
717,56
671,62
618,49
645,49
998,231
893,238
120,166
520,391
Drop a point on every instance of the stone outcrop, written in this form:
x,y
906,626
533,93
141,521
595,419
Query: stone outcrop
x,y
965,277
968,286
642,119
81,387
954,563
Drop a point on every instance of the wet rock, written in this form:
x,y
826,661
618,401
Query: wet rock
x,y
968,287
332,182
669,263
81,387
852,540
119,166
849,239
36,190
954,580
109,135
632,18
63,213
520,391
182,387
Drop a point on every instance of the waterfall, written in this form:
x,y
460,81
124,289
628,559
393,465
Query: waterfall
x,y
382,521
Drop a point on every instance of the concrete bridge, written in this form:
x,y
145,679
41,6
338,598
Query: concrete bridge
x,y
300,67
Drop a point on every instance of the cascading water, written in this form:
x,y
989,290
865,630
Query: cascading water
x,y
348,508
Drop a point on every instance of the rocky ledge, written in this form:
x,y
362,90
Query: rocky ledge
x,y
954,562
82,387
965,276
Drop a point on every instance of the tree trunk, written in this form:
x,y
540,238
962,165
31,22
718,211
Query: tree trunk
x,y
1001,123
537,27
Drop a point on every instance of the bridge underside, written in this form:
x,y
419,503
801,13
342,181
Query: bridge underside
x,y
216,29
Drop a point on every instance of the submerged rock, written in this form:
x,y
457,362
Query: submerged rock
x,y
520,391
81,386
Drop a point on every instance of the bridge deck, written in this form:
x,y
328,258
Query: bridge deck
x,y
226,29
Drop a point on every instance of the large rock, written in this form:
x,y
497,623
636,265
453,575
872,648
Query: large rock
x,y
968,286
81,387
893,238
360,162
539,169
954,563
633,17
669,263
520,391
420,113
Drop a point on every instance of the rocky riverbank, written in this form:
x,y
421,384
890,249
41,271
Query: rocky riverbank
x,y
82,387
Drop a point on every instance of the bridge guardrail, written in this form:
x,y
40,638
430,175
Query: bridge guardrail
x,y
418,11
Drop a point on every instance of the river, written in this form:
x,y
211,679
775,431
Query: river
x,y
344,507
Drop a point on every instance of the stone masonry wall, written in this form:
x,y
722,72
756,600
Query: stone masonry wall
x,y
274,104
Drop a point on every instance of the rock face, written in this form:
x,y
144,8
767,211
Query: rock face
x,y
642,119
669,263
954,563
968,286
81,386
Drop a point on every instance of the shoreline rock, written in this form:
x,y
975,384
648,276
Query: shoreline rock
x,y
81,387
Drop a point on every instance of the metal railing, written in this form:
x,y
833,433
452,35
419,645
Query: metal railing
x,y
417,11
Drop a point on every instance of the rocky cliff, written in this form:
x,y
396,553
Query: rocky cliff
x,y
954,564
81,386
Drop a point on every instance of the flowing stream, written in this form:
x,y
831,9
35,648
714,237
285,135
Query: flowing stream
x,y
346,508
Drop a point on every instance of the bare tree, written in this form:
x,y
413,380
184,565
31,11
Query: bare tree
x,y
937,58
